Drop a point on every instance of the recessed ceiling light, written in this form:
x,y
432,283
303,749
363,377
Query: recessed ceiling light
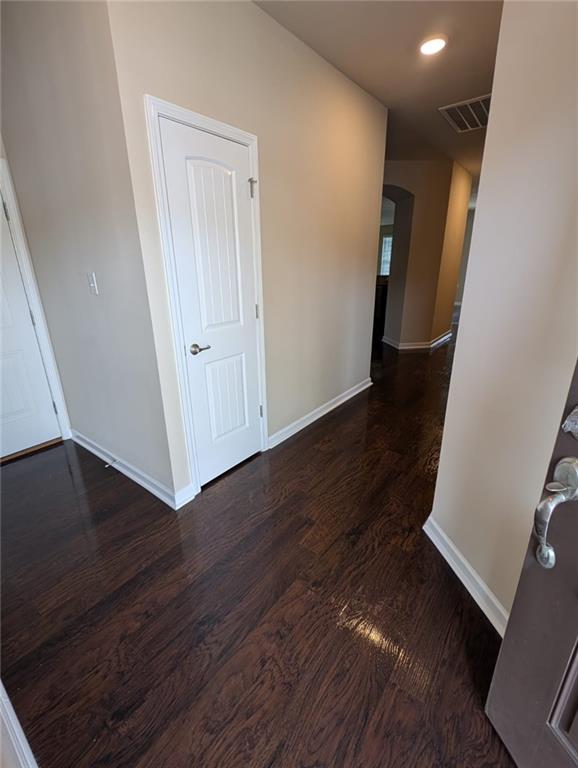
x,y
433,45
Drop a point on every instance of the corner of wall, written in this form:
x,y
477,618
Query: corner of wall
x,y
452,249
466,573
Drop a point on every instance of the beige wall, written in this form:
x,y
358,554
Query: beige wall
x,y
321,144
437,230
62,127
517,342
80,159
449,271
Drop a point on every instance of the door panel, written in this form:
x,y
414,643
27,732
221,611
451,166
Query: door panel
x,y
564,718
212,190
17,395
27,415
227,395
533,701
211,225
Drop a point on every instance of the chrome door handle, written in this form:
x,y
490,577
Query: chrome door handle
x,y
195,349
563,488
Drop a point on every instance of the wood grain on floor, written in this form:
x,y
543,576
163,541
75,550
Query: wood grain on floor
x,y
294,615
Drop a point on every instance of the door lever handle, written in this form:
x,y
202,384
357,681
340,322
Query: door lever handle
x,y
195,349
563,488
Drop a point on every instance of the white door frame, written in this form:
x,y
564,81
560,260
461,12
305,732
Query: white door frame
x,y
33,297
155,109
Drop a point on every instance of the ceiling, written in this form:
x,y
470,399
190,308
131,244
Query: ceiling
x,y
376,44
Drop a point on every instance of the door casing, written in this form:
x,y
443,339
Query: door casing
x,y
33,297
155,109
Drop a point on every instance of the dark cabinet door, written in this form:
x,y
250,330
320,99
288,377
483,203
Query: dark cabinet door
x,y
533,701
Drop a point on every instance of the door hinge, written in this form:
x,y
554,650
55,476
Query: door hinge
x,y
6,209
32,317
261,411
252,182
257,311
55,408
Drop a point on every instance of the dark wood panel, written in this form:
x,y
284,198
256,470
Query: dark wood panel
x,y
293,615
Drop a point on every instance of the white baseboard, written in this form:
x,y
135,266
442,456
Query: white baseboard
x,y
441,339
309,418
409,345
175,500
183,496
15,751
471,580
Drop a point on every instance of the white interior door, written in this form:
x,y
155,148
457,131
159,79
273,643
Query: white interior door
x,y
27,412
209,205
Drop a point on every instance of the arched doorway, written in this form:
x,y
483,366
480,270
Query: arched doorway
x,y
392,261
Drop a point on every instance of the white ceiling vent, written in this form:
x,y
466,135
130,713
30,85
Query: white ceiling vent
x,y
470,115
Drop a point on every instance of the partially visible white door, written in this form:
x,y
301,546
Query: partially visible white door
x,y
27,414
211,225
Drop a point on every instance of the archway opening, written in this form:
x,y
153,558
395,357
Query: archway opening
x,y
392,261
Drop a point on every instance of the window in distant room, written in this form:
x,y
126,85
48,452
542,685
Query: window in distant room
x,y
385,239
385,261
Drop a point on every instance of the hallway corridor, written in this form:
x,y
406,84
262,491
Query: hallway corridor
x,y
293,616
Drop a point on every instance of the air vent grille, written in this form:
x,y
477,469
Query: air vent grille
x,y
470,115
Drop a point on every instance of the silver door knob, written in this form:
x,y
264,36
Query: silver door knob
x,y
195,349
563,488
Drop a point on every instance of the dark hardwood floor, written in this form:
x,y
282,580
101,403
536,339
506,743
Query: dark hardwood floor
x,y
293,616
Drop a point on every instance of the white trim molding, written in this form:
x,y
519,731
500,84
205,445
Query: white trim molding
x,y
33,297
410,345
174,499
155,109
14,744
309,418
478,589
